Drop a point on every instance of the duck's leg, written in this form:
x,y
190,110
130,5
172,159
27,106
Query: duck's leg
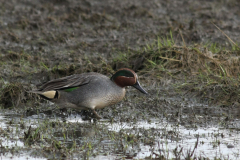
x,y
96,115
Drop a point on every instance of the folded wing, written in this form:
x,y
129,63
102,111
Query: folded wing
x,y
66,82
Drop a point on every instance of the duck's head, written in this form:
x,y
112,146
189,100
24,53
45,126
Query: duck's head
x,y
127,77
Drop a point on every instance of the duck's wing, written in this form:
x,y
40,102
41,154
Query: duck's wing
x,y
67,82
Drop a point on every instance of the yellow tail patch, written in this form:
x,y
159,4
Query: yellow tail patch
x,y
49,94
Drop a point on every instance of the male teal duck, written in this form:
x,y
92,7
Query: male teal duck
x,y
89,90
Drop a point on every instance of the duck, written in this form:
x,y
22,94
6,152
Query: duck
x,y
89,90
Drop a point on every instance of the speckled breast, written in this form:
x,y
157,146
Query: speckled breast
x,y
109,99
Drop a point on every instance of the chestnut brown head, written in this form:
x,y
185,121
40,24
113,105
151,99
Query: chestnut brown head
x,y
127,77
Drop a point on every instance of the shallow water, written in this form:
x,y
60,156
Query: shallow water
x,y
213,141
10,140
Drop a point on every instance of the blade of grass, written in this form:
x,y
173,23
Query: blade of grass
x,y
226,35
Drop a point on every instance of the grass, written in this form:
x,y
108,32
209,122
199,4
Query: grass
x,y
164,57
199,69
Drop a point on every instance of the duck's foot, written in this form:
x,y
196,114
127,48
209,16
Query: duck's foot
x,y
96,115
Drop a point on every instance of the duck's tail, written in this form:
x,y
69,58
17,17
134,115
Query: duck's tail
x,y
49,95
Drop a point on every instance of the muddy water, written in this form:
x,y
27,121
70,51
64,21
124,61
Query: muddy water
x,y
12,146
154,138
213,142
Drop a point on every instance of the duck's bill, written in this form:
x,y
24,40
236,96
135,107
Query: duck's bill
x,y
137,86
